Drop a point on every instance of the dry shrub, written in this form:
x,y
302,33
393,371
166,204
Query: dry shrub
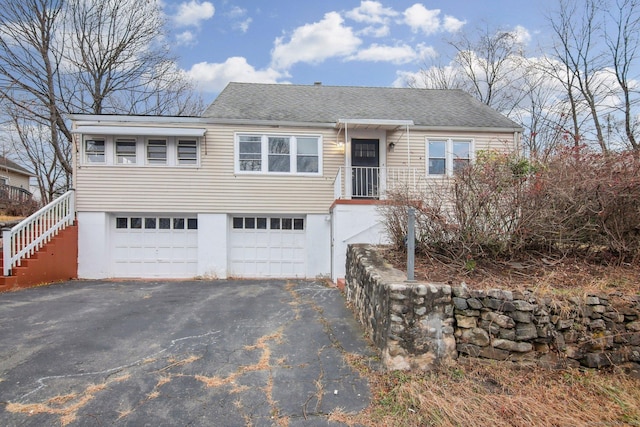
x,y
577,203
19,208
500,394
587,203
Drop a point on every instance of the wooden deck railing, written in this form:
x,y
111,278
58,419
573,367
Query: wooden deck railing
x,y
9,192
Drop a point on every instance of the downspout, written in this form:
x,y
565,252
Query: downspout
x,y
516,140
347,164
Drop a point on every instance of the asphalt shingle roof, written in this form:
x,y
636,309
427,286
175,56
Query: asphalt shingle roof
x,y
11,165
328,104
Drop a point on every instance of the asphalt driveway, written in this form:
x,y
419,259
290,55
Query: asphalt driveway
x,y
197,353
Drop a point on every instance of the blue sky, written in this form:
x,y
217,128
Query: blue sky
x,y
346,42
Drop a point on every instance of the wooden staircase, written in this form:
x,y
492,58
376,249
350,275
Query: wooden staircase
x,y
42,249
54,262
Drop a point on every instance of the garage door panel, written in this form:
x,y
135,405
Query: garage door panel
x,y
274,251
151,251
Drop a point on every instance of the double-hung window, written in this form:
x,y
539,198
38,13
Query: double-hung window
x,y
187,152
94,150
126,151
279,154
249,153
307,159
447,156
157,151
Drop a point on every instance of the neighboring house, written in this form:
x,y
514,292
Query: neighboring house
x,y
272,181
14,180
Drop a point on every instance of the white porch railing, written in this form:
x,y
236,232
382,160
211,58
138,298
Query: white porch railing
x,y
24,239
374,183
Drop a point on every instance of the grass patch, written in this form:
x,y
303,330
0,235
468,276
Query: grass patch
x,y
498,394
9,218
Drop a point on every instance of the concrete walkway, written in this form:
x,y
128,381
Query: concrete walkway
x,y
197,353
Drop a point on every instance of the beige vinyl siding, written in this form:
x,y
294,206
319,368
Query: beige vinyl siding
x,y
417,140
431,186
15,179
213,187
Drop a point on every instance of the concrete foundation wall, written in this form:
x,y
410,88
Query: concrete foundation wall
x,y
353,223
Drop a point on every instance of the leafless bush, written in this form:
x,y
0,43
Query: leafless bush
x,y
502,206
24,207
587,202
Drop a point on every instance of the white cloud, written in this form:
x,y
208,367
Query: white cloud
x,y
193,13
419,18
371,12
243,25
407,78
522,35
426,52
236,12
373,31
380,53
186,38
213,77
452,24
314,43
237,16
428,21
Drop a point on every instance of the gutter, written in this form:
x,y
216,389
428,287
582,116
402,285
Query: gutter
x,y
95,119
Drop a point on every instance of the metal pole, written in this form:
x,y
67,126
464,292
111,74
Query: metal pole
x,y
411,244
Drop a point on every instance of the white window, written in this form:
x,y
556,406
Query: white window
x,y
157,151
94,150
446,156
126,151
307,155
250,153
187,152
279,154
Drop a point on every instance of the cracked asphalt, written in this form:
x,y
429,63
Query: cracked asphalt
x,y
196,353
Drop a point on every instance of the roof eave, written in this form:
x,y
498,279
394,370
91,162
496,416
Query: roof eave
x,y
95,119
18,171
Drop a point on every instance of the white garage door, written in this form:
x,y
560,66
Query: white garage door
x,y
155,246
263,246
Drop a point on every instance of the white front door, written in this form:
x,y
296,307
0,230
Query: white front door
x,y
267,246
146,246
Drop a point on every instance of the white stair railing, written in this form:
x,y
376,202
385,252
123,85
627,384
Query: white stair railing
x,y
337,185
31,234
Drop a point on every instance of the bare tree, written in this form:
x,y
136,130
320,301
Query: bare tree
x,y
87,56
118,61
623,41
576,26
490,60
31,145
436,76
29,65
542,112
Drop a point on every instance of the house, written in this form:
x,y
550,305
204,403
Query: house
x,y
272,180
14,181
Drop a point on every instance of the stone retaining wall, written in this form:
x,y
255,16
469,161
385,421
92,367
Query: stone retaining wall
x,y
419,325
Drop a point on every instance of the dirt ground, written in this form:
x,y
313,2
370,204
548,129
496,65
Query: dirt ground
x,y
539,274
